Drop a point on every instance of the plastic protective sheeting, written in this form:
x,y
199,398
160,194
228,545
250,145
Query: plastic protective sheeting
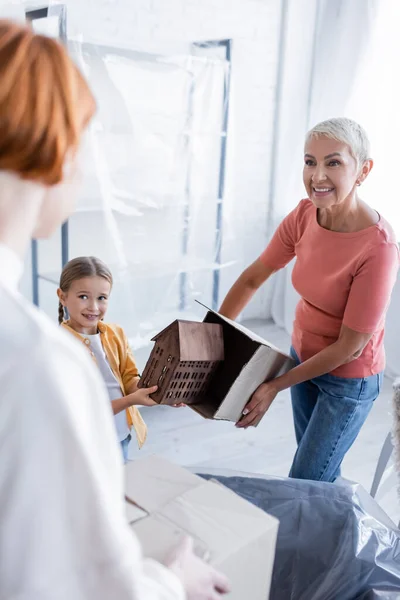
x,y
334,541
152,203
153,191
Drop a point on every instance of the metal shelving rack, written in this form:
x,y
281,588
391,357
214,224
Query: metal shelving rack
x,y
226,46
31,15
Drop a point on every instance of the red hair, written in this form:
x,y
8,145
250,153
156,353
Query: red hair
x,y
45,104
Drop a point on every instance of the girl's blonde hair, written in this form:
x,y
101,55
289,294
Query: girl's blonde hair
x,y
79,268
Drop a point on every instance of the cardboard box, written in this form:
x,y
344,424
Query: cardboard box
x,y
214,366
249,361
165,502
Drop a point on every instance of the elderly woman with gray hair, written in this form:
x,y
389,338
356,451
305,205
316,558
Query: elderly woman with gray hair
x,y
347,262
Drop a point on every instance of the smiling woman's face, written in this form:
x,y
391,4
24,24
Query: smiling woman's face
x,y
330,171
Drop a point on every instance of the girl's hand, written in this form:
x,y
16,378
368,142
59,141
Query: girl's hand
x,y
258,405
142,397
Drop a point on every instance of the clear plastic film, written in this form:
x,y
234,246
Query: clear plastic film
x,y
154,176
175,191
334,541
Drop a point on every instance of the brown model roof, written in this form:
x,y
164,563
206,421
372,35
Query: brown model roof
x,y
197,341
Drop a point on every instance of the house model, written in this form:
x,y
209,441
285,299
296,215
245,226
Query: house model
x,y
214,366
249,361
183,360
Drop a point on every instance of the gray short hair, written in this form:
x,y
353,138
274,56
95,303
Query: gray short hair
x,y
346,131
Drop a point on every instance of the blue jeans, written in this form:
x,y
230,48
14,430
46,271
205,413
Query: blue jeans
x,y
328,413
125,447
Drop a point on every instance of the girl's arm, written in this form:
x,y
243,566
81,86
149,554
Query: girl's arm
x,y
132,386
140,397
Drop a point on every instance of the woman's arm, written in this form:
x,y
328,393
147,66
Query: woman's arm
x,y
348,347
244,289
366,306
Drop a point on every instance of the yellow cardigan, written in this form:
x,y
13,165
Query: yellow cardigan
x,y
122,363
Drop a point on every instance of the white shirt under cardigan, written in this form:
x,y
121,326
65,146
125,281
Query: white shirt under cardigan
x,y
112,385
63,533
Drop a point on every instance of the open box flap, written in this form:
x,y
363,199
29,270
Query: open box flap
x,y
158,536
264,365
250,334
133,512
152,482
219,521
222,520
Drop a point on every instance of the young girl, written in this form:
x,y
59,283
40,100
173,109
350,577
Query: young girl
x,y
85,287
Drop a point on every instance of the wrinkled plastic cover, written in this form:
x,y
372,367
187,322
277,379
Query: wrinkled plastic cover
x,y
334,541
152,204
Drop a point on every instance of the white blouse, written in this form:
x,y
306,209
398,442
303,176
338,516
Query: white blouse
x,y
63,531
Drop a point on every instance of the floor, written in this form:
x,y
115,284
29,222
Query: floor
x,y
182,436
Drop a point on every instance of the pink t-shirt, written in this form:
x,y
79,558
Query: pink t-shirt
x,y
342,278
